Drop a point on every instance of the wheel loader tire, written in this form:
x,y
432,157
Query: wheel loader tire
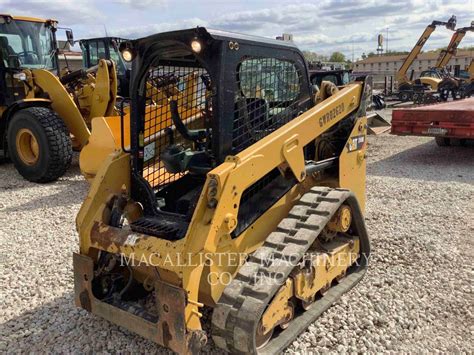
x,y
39,144
442,141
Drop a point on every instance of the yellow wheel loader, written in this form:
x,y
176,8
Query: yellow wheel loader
x,y
44,116
235,189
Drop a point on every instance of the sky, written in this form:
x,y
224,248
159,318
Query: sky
x,y
323,26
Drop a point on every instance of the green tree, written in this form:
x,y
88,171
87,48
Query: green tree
x,y
337,57
314,57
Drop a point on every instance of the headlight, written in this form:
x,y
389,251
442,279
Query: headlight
x,y
127,55
196,46
127,51
20,76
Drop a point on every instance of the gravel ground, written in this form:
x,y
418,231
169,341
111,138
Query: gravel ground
x,y
416,297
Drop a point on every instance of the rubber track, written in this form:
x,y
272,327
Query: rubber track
x,y
240,308
60,147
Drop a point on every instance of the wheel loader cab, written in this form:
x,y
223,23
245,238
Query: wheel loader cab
x,y
186,126
28,43
94,49
25,43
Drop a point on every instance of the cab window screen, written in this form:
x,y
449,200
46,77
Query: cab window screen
x,y
185,85
267,97
96,52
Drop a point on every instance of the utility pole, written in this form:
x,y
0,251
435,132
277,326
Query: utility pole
x,y
386,42
352,50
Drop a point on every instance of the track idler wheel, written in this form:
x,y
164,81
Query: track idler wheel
x,y
262,338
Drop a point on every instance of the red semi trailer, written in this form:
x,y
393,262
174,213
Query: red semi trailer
x,y
444,122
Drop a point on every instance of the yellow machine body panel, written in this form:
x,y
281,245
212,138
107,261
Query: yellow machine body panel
x,y
102,143
432,82
105,90
352,162
27,18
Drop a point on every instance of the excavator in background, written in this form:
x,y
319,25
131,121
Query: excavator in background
x,y
408,89
94,49
452,86
235,186
46,112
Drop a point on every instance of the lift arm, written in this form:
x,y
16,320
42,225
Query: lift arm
x,y
401,75
447,54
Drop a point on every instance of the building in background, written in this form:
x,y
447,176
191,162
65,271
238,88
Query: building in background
x,y
388,65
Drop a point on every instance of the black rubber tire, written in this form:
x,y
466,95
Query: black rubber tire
x,y
405,96
443,141
52,135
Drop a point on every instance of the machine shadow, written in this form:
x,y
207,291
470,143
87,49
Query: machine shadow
x,y
428,162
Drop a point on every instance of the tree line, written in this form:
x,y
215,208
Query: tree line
x,y
339,57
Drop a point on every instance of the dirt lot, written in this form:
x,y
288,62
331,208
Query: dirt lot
x,y
416,297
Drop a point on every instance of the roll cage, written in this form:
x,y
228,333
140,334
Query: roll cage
x,y
191,109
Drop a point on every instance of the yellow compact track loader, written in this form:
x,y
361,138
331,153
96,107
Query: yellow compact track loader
x,y
235,188
39,111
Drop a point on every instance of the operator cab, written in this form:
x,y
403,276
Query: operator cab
x,y
94,49
25,43
432,73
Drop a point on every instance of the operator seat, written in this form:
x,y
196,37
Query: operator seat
x,y
5,50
